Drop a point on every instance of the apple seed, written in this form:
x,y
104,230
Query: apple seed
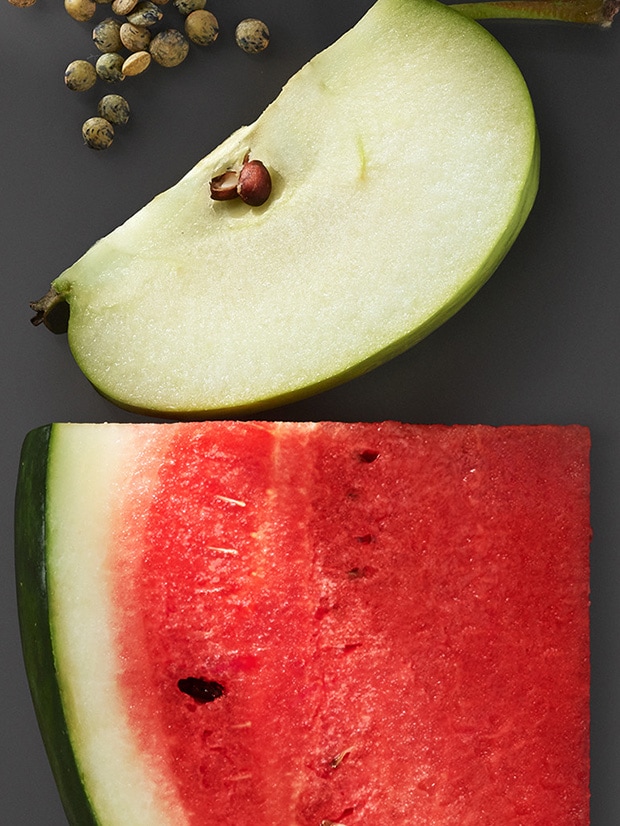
x,y
252,183
224,186
254,186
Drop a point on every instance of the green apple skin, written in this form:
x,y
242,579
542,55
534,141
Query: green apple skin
x,y
404,161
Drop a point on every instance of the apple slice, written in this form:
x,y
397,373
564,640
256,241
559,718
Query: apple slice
x,y
403,162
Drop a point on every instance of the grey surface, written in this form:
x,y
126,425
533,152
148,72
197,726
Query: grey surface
x,y
539,343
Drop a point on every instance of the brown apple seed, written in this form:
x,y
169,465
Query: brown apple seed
x,y
254,186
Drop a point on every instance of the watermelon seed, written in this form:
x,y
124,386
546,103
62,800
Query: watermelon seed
x,y
232,551
203,691
368,455
231,501
366,539
337,760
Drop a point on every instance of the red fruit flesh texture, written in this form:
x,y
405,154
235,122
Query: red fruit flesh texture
x,y
397,616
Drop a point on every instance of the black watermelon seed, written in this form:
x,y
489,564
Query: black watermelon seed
x,y
203,691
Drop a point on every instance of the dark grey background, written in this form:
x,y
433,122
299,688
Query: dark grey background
x,y
538,344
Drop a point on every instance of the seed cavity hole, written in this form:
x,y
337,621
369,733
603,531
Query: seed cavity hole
x,y
345,813
359,573
200,690
323,610
368,456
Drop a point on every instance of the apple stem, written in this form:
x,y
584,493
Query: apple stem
x,y
44,311
599,12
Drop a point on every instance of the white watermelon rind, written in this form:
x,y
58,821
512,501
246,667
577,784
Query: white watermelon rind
x,y
33,612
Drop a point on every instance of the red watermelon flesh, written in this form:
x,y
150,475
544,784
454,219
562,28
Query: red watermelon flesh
x,y
357,623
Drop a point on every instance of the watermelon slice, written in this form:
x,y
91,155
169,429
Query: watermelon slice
x,y
278,624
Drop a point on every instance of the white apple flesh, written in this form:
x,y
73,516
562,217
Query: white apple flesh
x,y
404,161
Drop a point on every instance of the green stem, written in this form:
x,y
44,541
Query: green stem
x,y
599,12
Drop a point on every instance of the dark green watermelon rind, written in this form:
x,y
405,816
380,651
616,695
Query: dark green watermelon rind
x,y
33,611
